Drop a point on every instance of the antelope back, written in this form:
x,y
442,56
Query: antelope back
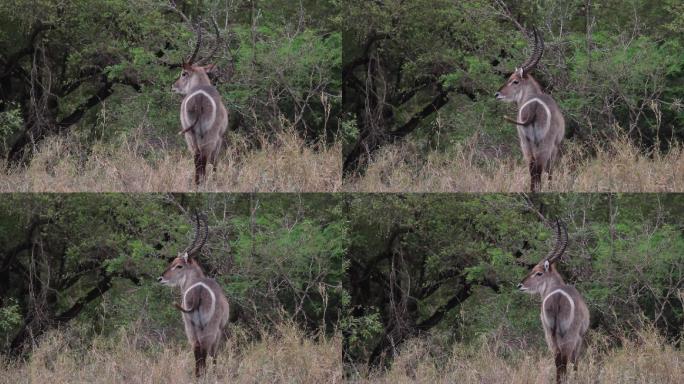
x,y
205,298
203,116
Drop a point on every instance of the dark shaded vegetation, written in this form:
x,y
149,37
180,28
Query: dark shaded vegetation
x,y
91,262
426,71
445,267
95,70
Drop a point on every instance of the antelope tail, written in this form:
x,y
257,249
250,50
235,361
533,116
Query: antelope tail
x,y
180,308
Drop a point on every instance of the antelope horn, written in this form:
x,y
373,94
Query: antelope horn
x,y
534,45
561,242
201,234
197,45
537,52
557,236
564,241
216,45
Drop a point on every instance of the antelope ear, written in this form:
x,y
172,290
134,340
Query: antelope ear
x,y
519,72
185,257
209,68
546,265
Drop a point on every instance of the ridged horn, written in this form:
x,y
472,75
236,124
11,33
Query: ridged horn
x,y
561,242
201,234
537,52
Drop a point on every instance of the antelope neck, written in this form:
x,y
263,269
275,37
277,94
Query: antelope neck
x,y
191,277
529,91
554,283
199,80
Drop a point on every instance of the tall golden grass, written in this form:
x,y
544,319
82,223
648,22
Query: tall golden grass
x,y
288,164
614,166
283,164
645,358
284,355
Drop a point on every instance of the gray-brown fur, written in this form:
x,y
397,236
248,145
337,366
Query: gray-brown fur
x,y
204,306
540,122
564,314
204,118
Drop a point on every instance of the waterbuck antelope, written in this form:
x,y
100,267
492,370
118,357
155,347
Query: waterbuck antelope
x,y
203,116
540,122
564,314
204,306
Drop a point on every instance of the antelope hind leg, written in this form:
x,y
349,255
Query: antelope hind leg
x,y
200,359
197,349
575,354
535,175
561,365
202,168
197,160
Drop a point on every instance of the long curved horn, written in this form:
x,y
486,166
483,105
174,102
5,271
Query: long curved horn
x,y
537,52
564,242
561,242
197,45
201,234
557,242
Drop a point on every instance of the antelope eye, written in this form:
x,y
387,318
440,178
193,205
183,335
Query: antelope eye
x,y
539,273
183,74
179,266
516,81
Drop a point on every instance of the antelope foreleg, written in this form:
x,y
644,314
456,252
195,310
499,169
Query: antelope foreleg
x,y
535,175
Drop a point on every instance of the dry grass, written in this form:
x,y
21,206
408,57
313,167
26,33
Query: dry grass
x,y
285,164
617,166
284,356
648,359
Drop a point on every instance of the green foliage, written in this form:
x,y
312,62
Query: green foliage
x,y
413,255
302,257
10,122
278,65
348,132
622,75
281,257
10,318
361,332
637,266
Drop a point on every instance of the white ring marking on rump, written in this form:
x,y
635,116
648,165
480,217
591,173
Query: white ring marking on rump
x,y
561,291
213,298
184,108
546,107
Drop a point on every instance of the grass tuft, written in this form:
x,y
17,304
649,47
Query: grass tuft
x,y
285,164
643,359
284,355
470,167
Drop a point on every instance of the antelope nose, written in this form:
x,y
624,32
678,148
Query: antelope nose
x,y
159,279
497,95
519,285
